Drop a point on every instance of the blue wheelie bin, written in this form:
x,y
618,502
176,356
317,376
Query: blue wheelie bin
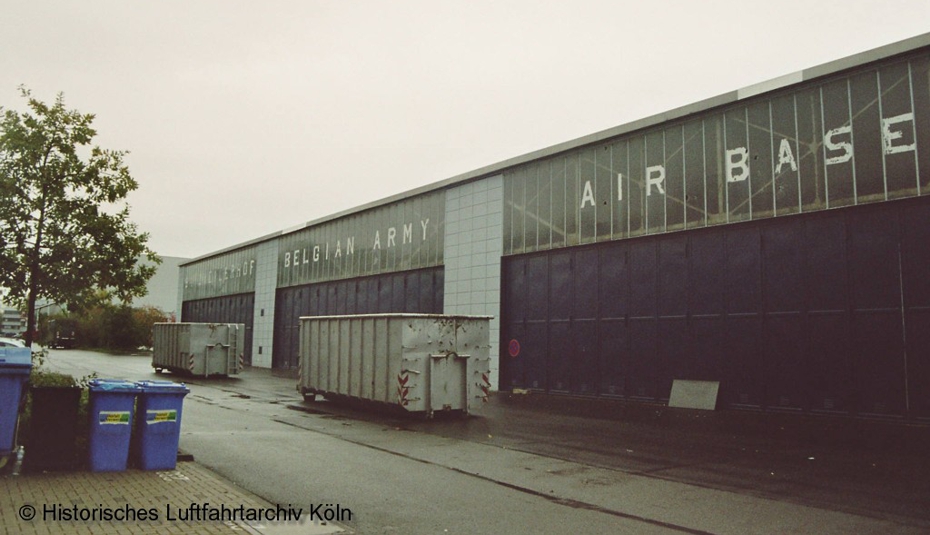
x,y
158,424
111,408
15,365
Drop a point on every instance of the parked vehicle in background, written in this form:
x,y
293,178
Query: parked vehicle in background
x,y
62,333
11,342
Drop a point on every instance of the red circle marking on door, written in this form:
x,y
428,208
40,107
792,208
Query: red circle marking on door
x,y
514,348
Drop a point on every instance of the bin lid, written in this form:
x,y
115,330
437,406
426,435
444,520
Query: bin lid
x,y
163,387
15,369
112,385
15,356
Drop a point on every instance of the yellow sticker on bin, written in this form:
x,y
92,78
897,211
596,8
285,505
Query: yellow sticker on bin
x,y
113,417
163,416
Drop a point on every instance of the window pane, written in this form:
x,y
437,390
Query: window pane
x,y
838,144
870,180
655,182
604,191
557,173
898,128
531,194
519,204
760,155
543,182
572,199
920,76
674,179
810,138
637,186
621,198
738,165
508,213
587,201
713,170
694,174
785,155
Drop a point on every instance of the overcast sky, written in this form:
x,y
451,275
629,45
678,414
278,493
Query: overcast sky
x,y
244,118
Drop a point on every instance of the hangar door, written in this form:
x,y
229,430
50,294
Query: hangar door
x,y
827,312
417,291
226,309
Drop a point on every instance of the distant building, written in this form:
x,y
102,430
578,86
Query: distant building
x,y
13,323
163,286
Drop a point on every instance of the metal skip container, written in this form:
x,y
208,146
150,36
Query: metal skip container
x,y
422,363
198,349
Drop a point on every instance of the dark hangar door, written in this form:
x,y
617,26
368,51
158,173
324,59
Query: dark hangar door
x,y
418,291
826,312
227,309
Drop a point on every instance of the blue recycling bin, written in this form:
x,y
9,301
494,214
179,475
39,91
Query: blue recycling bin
x,y
158,424
110,409
15,365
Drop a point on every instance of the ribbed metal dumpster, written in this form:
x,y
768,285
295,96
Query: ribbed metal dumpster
x,y
422,363
199,349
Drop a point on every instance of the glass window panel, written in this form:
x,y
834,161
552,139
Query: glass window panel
x,y
508,213
604,191
530,218
694,174
416,245
587,201
637,189
436,228
737,165
544,183
519,211
674,179
920,78
557,174
572,199
898,130
715,179
655,182
838,144
870,181
810,139
621,188
760,155
785,155
377,254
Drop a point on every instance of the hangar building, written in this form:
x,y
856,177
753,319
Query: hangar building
x,y
775,239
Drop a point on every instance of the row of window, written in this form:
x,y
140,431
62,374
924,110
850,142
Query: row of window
x,y
863,137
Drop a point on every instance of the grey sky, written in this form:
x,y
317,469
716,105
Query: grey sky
x,y
243,118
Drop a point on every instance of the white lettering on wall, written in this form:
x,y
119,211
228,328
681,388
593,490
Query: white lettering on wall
x,y
377,244
392,234
890,136
587,196
655,175
738,168
619,186
423,223
408,233
839,145
785,156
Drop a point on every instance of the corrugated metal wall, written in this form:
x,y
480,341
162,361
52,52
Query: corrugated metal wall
x,y
418,291
827,312
227,309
